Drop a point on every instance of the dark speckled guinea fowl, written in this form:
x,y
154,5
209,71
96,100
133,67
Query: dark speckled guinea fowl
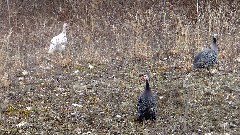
x,y
146,107
207,57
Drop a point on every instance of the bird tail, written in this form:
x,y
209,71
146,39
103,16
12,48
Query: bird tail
x,y
52,48
193,66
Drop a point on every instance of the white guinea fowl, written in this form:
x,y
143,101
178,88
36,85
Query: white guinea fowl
x,y
59,42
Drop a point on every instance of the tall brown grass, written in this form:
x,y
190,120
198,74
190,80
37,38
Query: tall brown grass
x,y
169,32
128,38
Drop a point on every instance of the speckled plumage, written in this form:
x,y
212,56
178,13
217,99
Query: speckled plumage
x,y
207,57
146,104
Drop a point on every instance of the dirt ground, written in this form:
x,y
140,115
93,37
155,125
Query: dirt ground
x,y
92,87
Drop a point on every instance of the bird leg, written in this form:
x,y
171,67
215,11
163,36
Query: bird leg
x,y
209,71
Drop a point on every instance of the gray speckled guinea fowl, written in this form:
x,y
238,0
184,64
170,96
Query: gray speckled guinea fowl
x,y
146,107
207,57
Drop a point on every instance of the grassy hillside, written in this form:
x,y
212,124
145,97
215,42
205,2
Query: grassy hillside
x,y
59,94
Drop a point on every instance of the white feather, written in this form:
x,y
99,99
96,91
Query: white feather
x,y
59,42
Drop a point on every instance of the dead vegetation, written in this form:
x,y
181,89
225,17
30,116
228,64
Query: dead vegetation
x,y
93,89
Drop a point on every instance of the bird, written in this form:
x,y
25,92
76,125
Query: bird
x,y
146,106
207,57
59,42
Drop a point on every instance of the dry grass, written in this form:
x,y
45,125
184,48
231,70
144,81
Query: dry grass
x,y
121,39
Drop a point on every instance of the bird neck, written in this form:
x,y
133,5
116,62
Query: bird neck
x,y
214,45
147,86
64,30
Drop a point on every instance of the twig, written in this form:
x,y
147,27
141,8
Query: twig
x,y
186,98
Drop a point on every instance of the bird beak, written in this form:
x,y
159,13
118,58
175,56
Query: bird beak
x,y
142,78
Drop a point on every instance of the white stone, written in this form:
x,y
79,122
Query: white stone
x,y
23,123
77,105
24,73
90,66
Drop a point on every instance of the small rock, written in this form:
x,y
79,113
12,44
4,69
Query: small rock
x,y
77,105
46,67
76,71
75,113
118,118
24,73
221,68
21,78
146,131
88,133
238,59
90,66
78,131
29,108
214,71
161,97
23,123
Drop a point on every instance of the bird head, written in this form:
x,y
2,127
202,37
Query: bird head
x,y
214,35
65,25
145,77
214,38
